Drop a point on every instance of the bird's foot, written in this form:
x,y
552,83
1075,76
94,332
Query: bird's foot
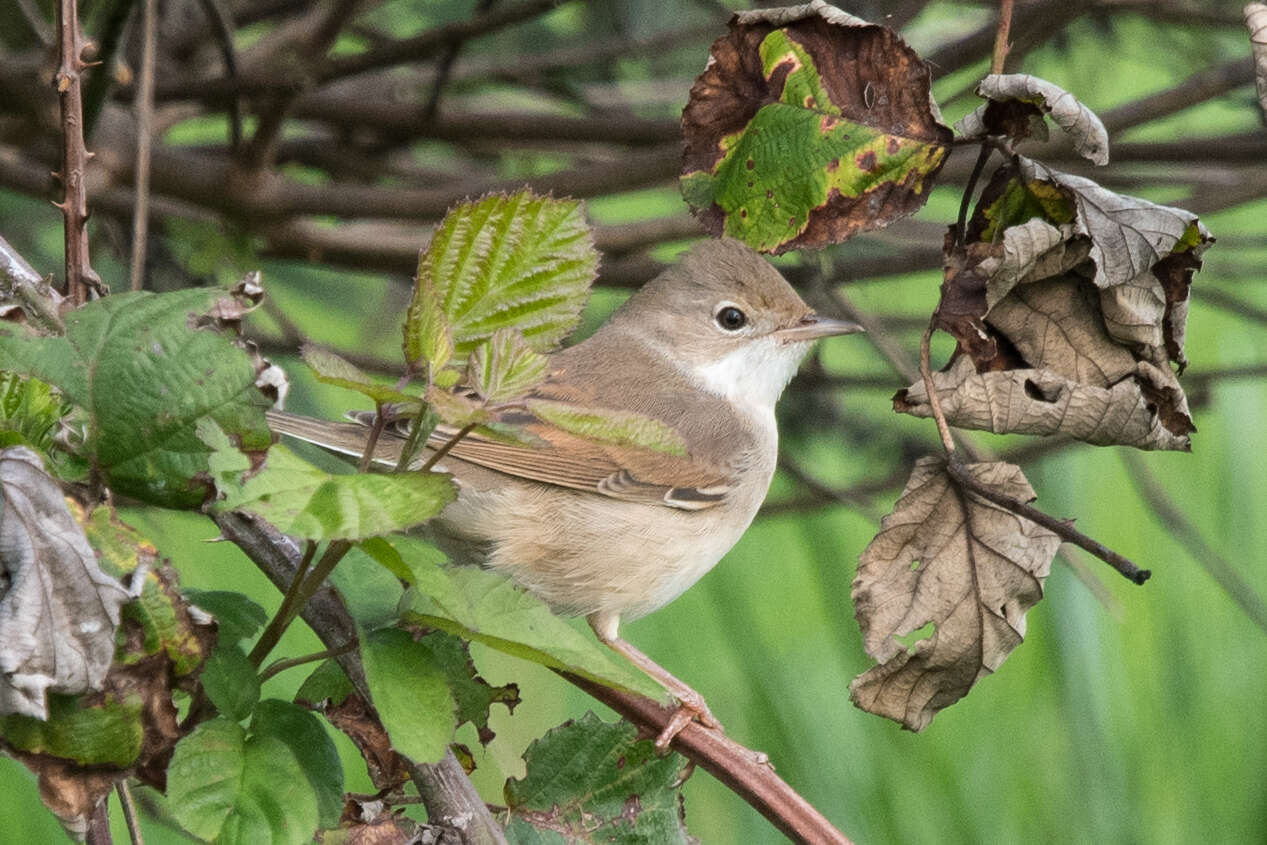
x,y
691,707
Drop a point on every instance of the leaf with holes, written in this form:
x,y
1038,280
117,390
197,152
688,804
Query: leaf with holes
x,y
1017,102
808,126
590,781
948,558
504,261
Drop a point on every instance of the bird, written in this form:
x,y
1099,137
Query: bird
x,y
614,532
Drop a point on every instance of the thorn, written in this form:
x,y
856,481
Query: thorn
x,y
89,155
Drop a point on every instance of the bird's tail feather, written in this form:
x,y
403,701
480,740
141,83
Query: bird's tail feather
x,y
344,438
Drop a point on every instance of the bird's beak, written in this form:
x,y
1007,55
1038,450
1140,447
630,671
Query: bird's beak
x,y
812,327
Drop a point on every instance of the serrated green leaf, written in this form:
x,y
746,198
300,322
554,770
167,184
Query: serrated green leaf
x,y
456,409
305,501
474,695
427,334
328,682
313,748
789,145
505,261
143,440
591,781
488,608
504,367
226,786
230,682
238,617
410,693
29,412
622,428
369,592
109,733
329,368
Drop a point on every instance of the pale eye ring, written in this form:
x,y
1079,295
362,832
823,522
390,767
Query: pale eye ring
x,y
731,318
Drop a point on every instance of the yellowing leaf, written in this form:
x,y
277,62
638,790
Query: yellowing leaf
x,y
948,558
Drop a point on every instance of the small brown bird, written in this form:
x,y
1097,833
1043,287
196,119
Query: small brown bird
x,y
612,532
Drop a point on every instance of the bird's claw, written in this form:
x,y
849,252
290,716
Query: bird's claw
x,y
691,707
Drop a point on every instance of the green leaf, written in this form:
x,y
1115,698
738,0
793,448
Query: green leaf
x,y
145,375
29,412
304,501
504,367
789,145
622,428
410,693
328,682
474,695
107,733
591,781
488,608
427,333
304,734
329,368
230,682
505,261
237,616
226,786
369,592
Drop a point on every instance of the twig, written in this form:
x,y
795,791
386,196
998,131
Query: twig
x,y
21,284
427,43
1178,526
144,106
278,666
961,224
1001,45
438,454
80,277
98,832
1061,528
371,441
447,792
222,28
129,811
444,67
112,17
34,17
739,768
934,401
297,595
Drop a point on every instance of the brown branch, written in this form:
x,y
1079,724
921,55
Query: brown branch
x,y
1178,526
21,284
80,277
1198,88
144,106
444,67
740,769
1001,44
447,792
429,43
1061,528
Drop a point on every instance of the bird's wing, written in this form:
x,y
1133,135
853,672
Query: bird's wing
x,y
567,460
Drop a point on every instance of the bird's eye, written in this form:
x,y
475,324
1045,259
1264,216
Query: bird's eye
x,y
731,318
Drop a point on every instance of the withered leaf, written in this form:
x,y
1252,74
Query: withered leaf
x,y
1256,20
1146,410
1089,136
58,610
807,126
946,558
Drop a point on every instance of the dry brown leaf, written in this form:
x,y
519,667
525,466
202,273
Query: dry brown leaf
x,y
964,565
1090,139
1256,20
1146,410
58,610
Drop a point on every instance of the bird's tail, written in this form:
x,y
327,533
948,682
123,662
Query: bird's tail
x,y
344,438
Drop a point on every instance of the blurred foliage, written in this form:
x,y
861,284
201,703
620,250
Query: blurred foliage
x,y
1134,717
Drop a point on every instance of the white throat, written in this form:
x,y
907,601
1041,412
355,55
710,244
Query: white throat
x,y
753,375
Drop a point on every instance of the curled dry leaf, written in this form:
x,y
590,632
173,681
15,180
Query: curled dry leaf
x,y
1256,20
1069,303
808,126
58,610
965,566
1016,104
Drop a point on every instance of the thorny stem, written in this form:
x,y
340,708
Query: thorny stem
x,y
1060,527
74,205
